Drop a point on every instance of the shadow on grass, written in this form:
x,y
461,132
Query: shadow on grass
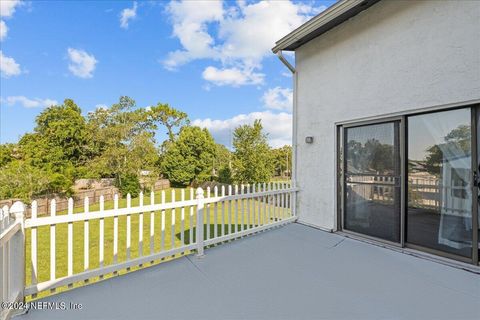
x,y
227,229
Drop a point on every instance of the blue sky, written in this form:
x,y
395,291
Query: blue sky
x,y
210,59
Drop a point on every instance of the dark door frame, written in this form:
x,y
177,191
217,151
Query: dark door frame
x,y
343,182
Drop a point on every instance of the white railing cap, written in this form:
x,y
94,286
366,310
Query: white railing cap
x,y
17,207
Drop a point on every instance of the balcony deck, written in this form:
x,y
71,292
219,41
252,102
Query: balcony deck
x,y
293,272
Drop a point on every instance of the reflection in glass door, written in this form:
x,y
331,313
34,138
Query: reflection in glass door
x,y
372,180
476,233
440,192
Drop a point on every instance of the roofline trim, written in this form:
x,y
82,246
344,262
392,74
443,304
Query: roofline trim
x,y
335,11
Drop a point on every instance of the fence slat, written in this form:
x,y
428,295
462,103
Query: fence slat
x,y
277,201
215,213
140,227
242,213
129,226
182,225
162,233
230,215
52,241
172,231
200,235
259,204
2,219
102,235
270,200
70,239
254,211
6,217
86,236
236,209
223,212
115,230
5,265
191,218
34,245
248,207
208,215
264,216
152,223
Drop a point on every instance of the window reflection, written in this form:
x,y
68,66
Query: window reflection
x,y
439,191
372,180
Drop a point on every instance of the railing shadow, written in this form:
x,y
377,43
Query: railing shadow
x,y
227,230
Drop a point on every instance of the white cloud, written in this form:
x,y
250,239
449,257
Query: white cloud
x,y
28,103
239,35
3,30
81,64
128,14
250,35
101,106
232,76
277,125
8,66
278,98
7,7
190,25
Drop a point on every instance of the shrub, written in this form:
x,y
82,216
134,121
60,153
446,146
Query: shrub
x,y
128,184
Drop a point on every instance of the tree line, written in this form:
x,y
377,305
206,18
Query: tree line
x,y
121,142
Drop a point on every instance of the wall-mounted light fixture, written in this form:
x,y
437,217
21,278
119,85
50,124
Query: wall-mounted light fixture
x,y
308,139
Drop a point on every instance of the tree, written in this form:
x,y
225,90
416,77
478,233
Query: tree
x,y
456,141
189,158
123,138
7,153
282,159
52,153
252,158
19,179
223,164
169,117
371,156
63,126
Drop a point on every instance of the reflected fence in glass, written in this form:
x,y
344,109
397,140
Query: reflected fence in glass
x,y
439,214
372,180
372,206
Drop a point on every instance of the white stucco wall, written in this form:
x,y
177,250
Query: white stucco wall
x,y
395,56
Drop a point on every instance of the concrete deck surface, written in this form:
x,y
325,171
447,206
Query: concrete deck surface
x,y
293,272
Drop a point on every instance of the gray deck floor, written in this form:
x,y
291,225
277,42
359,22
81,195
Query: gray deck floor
x,y
294,272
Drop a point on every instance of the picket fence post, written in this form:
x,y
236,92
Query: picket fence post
x,y
17,210
200,206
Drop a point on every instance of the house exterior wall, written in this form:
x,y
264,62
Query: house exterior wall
x,y
395,56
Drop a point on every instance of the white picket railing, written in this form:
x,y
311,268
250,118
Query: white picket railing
x,y
12,256
236,212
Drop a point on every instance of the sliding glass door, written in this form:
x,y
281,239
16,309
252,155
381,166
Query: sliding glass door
x,y
372,180
414,180
440,192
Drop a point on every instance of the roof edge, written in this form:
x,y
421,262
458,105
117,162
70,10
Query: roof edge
x,y
326,20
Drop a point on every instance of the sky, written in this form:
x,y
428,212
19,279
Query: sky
x,y
210,59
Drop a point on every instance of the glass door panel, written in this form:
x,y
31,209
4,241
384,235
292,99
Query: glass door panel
x,y
372,180
477,189
439,210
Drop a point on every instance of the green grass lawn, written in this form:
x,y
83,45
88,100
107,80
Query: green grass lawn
x,y
43,235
